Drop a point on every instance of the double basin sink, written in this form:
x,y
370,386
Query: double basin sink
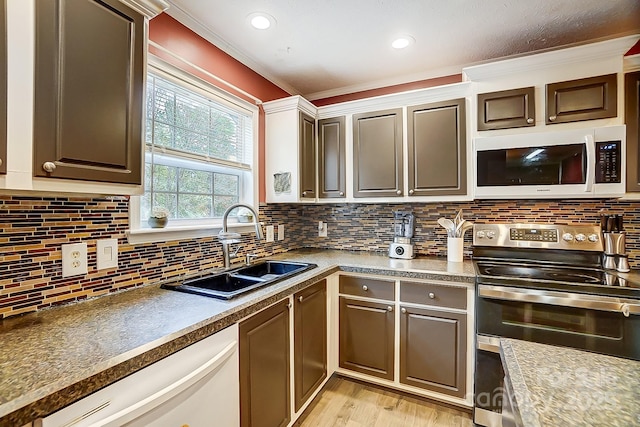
x,y
231,283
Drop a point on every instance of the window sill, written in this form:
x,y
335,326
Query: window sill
x,y
152,235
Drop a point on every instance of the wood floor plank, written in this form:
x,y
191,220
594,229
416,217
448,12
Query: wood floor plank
x,y
348,403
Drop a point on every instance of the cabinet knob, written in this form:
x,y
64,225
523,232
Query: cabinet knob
x,y
432,295
411,192
403,310
300,298
304,193
0,162
389,308
289,305
552,118
365,288
399,192
49,166
342,193
529,120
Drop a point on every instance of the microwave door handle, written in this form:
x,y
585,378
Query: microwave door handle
x,y
591,163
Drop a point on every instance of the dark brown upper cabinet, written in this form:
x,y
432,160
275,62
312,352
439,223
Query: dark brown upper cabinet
x,y
507,109
331,158
3,86
307,136
89,91
582,99
310,341
632,120
377,154
437,148
264,368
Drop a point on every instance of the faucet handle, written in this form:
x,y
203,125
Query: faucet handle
x,y
249,257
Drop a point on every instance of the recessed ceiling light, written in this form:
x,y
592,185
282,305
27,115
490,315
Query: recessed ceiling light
x,y
261,21
402,42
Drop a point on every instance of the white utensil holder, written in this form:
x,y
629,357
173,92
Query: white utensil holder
x,y
455,246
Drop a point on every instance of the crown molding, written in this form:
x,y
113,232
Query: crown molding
x,y
199,28
631,63
593,52
148,8
290,103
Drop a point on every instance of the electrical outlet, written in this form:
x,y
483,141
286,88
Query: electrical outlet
x,y
322,229
280,231
74,259
107,253
270,233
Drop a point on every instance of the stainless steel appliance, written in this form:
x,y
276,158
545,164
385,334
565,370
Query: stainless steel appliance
x,y
403,228
570,163
545,283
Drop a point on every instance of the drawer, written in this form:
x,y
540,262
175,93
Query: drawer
x,y
366,287
432,294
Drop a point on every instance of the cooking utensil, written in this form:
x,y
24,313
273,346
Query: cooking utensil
x,y
448,225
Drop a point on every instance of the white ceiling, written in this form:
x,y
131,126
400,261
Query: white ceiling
x,y
322,48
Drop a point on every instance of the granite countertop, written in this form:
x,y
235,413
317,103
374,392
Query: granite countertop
x,y
56,356
557,386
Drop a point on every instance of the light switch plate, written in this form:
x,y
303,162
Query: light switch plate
x,y
322,229
74,259
107,253
270,231
280,231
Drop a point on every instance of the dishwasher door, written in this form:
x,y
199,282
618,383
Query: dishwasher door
x,y
195,386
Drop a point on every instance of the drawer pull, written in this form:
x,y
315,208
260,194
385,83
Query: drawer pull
x,y
529,120
365,288
389,308
49,166
432,295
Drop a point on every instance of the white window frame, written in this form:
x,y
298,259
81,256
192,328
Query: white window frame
x,y
203,228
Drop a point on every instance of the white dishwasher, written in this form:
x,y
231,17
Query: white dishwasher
x,y
195,387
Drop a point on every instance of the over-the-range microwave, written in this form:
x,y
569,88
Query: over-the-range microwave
x,y
574,163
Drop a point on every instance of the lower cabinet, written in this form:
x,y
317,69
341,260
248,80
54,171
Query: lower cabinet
x,y
366,337
433,350
310,341
264,368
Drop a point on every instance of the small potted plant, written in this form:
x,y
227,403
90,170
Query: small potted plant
x,y
159,217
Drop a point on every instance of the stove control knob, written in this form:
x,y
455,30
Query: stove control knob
x,y
491,234
567,237
480,234
593,237
580,237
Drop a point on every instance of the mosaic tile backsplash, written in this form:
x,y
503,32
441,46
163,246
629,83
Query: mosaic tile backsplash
x,y
34,228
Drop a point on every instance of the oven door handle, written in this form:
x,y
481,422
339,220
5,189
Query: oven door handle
x,y
565,299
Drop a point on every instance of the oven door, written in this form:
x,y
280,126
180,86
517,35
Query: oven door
x,y
601,324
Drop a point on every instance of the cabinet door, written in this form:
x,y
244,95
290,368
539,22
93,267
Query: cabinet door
x,y
366,337
3,86
632,119
433,350
331,158
310,341
377,154
264,368
437,149
89,89
583,99
307,137
507,109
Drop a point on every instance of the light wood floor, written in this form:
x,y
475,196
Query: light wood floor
x,y
344,402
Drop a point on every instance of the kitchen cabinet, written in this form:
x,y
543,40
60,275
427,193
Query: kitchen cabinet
x,y
632,120
331,158
264,368
582,99
89,91
3,86
377,154
437,148
507,109
310,341
290,150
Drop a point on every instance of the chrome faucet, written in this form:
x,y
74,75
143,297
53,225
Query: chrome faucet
x,y
227,238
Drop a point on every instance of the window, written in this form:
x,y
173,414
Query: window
x,y
199,151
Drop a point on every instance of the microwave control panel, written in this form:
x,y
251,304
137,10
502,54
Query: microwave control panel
x,y
608,162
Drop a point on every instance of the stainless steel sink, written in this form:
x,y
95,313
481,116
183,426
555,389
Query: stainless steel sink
x,y
231,283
